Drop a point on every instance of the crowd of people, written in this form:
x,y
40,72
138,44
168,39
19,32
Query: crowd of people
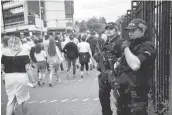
x,y
47,56
124,65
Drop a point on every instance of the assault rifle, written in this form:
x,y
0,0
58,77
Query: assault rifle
x,y
123,78
98,56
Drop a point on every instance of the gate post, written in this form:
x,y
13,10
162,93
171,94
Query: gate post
x,y
170,85
170,78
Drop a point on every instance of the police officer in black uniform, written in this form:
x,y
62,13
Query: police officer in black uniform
x,y
134,70
111,50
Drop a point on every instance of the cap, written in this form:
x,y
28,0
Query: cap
x,y
136,23
111,25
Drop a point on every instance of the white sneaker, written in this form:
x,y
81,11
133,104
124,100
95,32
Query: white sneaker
x,y
59,80
31,85
68,73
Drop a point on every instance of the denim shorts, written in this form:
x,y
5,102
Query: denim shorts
x,y
41,65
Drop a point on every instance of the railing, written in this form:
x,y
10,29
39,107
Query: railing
x,y
14,24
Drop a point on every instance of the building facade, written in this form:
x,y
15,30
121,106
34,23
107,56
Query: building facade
x,y
24,17
59,15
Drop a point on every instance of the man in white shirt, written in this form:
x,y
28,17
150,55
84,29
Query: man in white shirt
x,y
46,42
25,46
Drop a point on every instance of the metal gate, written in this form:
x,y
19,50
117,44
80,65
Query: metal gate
x,y
158,15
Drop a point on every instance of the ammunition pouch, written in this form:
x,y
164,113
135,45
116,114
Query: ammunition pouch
x,y
137,106
125,79
97,57
103,75
102,79
104,64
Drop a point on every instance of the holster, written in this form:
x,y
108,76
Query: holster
x,y
137,106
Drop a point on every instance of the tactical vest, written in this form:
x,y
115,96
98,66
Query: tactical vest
x,y
137,76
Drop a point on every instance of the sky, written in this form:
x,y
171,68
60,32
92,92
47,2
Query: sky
x,y
110,9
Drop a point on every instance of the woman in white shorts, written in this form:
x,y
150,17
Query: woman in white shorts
x,y
15,64
54,58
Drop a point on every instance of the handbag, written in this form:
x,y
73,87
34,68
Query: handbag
x,y
15,56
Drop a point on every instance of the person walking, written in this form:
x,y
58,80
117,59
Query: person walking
x,y
4,47
54,58
92,40
63,43
59,45
40,56
15,64
84,54
134,70
109,52
71,51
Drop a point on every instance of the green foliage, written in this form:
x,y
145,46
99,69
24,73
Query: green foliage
x,y
120,20
92,24
83,26
95,24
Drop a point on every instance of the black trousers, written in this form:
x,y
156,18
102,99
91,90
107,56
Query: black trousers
x,y
129,103
86,66
73,62
61,67
104,95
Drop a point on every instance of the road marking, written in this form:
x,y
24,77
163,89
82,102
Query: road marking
x,y
64,100
80,80
75,100
43,101
73,80
86,99
33,102
53,101
96,99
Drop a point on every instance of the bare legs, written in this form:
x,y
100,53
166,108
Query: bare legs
x,y
53,69
52,72
11,108
22,109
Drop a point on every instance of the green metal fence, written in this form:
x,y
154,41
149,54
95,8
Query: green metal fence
x,y
158,15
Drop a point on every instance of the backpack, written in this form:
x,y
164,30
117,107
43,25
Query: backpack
x,y
91,40
72,54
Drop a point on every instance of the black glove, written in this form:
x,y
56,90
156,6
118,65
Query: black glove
x,y
125,44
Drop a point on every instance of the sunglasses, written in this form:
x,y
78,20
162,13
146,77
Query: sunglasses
x,y
109,28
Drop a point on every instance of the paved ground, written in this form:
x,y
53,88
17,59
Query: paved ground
x,y
70,97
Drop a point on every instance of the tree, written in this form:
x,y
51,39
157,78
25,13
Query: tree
x,y
92,24
95,24
120,20
76,23
83,26
102,20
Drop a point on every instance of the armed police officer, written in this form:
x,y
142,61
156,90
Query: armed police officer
x,y
109,52
134,70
